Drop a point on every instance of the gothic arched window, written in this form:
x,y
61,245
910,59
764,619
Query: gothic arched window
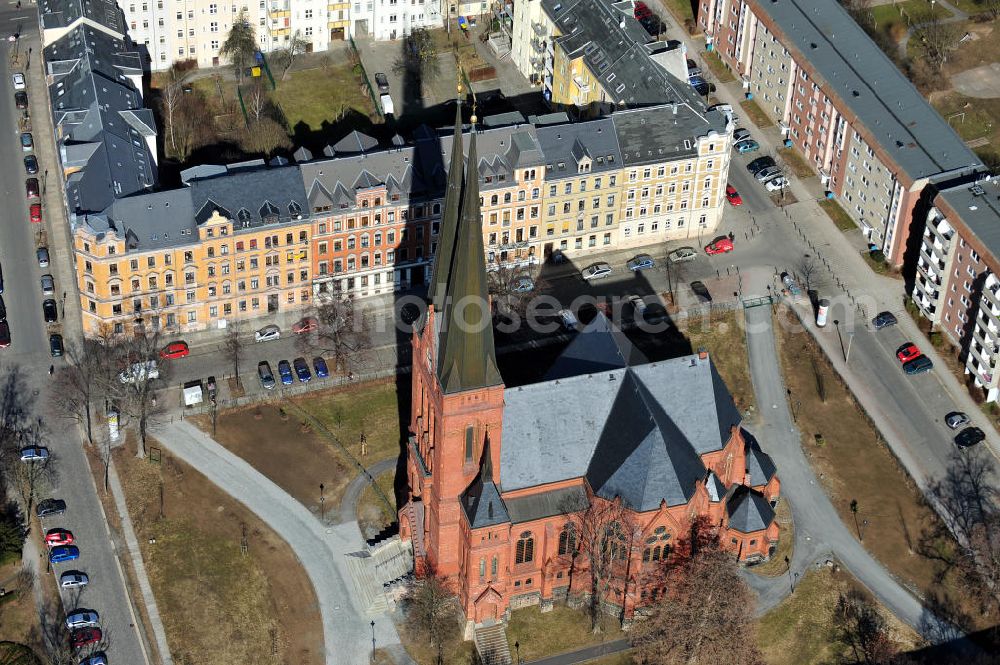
x,y
525,551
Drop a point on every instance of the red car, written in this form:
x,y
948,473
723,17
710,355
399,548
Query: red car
x,y
56,537
907,352
84,636
35,211
733,196
642,10
306,325
175,350
719,246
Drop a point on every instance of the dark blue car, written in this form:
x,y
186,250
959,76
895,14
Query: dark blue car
x,y
64,553
302,369
321,369
285,370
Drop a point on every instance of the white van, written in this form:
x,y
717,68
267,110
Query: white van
x,y
142,371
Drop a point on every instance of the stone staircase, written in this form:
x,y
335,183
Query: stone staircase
x,y
491,644
379,573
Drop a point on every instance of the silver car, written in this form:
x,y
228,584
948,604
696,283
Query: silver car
x,y
682,254
73,579
267,334
48,285
42,254
768,173
596,271
82,619
956,419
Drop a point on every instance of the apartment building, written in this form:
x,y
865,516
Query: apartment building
x,y
874,140
394,19
105,138
228,247
250,241
957,286
592,55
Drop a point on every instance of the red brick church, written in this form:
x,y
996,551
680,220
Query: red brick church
x,y
496,475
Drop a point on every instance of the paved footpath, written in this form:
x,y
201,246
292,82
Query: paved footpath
x,y
320,549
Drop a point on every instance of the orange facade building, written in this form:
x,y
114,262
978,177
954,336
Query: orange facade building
x,y
498,477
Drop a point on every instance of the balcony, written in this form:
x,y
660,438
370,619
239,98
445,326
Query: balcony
x,y
583,88
928,272
539,30
537,64
538,46
941,229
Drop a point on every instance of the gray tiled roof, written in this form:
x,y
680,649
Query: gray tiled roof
x,y
252,198
481,501
863,79
63,13
617,50
598,347
759,464
151,221
102,124
555,430
748,510
666,132
546,504
597,137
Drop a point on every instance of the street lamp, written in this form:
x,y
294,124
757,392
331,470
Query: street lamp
x,y
322,503
795,580
517,650
373,641
864,525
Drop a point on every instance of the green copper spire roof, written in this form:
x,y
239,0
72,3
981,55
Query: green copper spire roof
x,y
466,356
449,217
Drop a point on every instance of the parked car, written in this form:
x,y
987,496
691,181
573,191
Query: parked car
x,y
42,254
302,369
140,371
701,291
721,245
3,310
35,213
267,333
85,637
211,386
700,85
640,262
322,371
265,375
56,537
693,68
31,188
682,254
99,658
767,173
382,82
56,348
654,26
73,579
969,436
733,196
741,134
305,325
746,145
4,334
638,304
175,350
641,9
64,553
31,165
522,284
956,419
918,365
883,320
18,80
34,454
81,618
48,284
27,143
907,352
285,372
21,100
759,164
568,318
49,312
596,271
775,184
49,507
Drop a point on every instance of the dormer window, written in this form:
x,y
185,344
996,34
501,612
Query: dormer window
x,y
269,213
294,210
244,216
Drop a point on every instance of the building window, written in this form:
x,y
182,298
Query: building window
x,y
613,543
493,566
567,539
482,567
469,438
525,551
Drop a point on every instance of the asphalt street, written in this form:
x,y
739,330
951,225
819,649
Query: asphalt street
x,y
25,363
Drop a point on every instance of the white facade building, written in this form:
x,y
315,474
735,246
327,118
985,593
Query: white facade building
x,y
393,19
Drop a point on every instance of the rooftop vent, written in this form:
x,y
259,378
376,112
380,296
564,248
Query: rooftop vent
x,y
977,190
973,208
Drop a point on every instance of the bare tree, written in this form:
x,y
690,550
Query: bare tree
x,y
511,287
85,381
232,347
807,269
864,630
605,533
27,478
171,98
705,597
256,100
343,333
674,272
286,57
419,59
136,387
936,40
432,612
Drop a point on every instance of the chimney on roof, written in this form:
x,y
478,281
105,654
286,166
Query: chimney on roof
x,y
490,509
702,353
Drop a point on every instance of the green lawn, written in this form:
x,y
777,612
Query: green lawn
x,y
717,67
756,114
315,96
563,629
681,9
838,215
886,16
799,166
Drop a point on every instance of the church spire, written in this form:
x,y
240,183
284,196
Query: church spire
x,y
466,354
449,216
